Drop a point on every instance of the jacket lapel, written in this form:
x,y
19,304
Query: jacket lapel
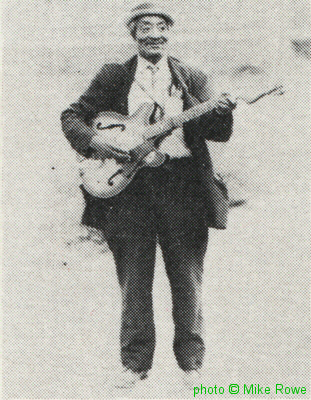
x,y
181,79
177,76
129,68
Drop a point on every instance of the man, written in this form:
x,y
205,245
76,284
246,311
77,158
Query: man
x,y
173,203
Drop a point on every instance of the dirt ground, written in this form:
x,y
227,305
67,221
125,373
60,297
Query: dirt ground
x,y
61,300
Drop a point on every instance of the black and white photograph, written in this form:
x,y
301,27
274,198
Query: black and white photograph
x,y
156,199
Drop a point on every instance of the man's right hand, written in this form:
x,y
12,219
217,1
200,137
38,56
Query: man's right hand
x,y
104,150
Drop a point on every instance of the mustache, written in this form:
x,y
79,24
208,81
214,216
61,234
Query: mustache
x,y
153,41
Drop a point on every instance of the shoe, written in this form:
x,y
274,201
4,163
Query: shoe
x,y
192,378
128,378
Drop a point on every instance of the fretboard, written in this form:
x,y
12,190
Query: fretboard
x,y
160,128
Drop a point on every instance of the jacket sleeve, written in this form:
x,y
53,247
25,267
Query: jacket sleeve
x,y
215,127
76,119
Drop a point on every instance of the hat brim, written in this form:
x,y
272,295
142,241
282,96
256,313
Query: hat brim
x,y
145,13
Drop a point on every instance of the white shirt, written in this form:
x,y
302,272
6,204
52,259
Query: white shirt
x,y
153,83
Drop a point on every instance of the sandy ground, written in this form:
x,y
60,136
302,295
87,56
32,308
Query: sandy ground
x,y
61,301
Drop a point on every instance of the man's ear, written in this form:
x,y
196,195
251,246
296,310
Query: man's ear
x,y
133,29
133,33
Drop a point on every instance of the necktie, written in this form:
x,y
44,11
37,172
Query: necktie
x,y
158,112
153,69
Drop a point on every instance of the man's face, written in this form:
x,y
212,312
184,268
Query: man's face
x,y
152,35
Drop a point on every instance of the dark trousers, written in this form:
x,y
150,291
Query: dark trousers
x,y
164,203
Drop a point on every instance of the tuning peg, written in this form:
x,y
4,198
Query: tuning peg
x,y
279,91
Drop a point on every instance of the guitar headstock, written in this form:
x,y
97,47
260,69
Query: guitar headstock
x,y
277,90
250,83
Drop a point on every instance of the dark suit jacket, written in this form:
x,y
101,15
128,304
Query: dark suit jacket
x,y
109,92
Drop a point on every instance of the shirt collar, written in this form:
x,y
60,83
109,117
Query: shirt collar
x,y
143,64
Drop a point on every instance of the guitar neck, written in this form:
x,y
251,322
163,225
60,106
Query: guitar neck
x,y
161,128
192,113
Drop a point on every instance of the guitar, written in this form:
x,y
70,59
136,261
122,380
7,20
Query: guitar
x,y
105,178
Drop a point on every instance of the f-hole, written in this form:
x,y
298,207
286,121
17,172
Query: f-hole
x,y
100,127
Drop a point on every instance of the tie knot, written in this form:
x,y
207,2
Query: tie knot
x,y
153,68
